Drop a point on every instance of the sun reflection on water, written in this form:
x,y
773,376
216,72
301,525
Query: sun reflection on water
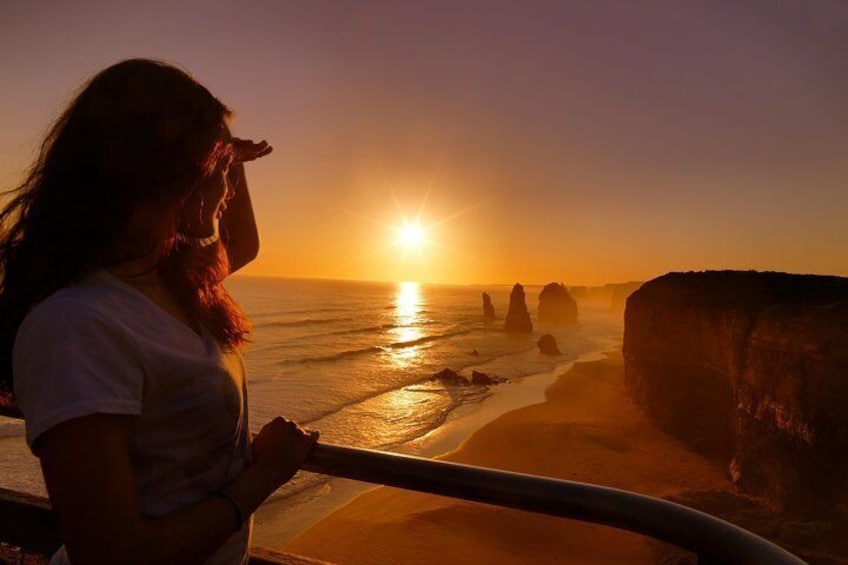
x,y
408,303
408,315
401,413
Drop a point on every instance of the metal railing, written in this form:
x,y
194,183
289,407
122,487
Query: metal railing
x,y
713,540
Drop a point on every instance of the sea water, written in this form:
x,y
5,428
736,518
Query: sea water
x,y
355,361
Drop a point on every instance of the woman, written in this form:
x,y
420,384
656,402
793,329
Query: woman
x,y
122,342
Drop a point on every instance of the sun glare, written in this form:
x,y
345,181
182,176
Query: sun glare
x,y
411,236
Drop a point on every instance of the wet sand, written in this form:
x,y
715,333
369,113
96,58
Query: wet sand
x,y
587,429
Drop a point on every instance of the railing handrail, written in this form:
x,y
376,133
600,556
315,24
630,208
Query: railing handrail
x,y
711,538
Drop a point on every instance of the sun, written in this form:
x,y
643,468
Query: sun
x,y
411,236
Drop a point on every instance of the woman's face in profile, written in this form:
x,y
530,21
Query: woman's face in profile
x,y
208,201
220,189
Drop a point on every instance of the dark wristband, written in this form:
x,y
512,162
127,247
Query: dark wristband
x,y
236,509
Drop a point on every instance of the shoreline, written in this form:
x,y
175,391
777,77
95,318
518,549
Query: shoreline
x,y
293,516
586,429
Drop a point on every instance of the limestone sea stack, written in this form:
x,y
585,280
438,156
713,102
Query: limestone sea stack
x,y
517,317
556,306
488,308
752,369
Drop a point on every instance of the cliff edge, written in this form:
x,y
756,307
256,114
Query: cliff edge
x,y
752,369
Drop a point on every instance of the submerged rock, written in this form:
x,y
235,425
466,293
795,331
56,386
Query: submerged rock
x,y
548,345
556,306
450,377
752,369
478,378
488,308
517,317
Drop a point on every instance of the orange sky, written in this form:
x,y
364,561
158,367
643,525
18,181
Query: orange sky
x,y
583,142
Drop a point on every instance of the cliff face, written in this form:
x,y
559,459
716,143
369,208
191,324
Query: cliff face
x,y
750,368
556,306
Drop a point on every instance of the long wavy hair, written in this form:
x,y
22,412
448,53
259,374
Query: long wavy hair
x,y
108,185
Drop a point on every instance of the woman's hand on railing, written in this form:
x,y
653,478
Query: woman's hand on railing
x,y
281,447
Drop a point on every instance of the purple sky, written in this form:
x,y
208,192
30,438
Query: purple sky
x,y
581,141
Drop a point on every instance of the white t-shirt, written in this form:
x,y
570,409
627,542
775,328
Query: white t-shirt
x,y
101,346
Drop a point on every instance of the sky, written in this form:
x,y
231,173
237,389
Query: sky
x,y
577,141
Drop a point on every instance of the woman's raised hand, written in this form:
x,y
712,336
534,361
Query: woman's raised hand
x,y
281,447
246,150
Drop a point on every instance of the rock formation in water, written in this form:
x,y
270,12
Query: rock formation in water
x,y
478,378
450,377
517,317
750,368
548,345
488,308
556,306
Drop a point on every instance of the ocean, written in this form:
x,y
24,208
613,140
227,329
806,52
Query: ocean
x,y
354,360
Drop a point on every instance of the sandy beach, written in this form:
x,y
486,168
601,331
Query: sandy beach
x,y
588,429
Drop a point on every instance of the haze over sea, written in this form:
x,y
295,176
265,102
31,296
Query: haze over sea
x,y
355,359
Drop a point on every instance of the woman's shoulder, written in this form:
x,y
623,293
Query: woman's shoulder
x,y
72,356
93,300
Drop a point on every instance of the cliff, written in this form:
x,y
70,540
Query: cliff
x,y
556,306
590,295
752,369
517,317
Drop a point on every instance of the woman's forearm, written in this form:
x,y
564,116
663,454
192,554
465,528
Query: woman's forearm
x,y
87,466
92,485
193,533
238,221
